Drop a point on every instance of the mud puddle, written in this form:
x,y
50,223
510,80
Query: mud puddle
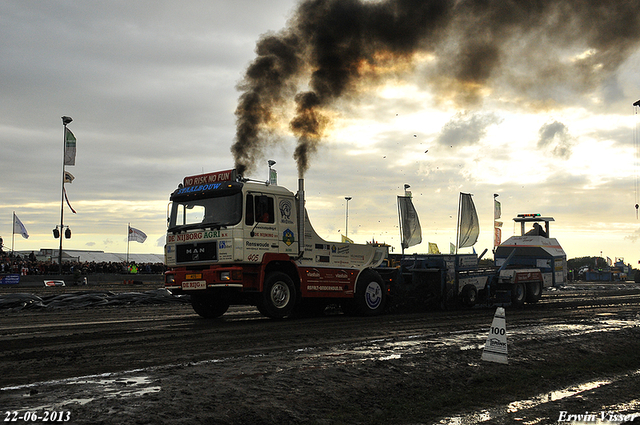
x,y
63,394
517,410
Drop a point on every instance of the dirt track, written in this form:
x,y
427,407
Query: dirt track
x,y
163,364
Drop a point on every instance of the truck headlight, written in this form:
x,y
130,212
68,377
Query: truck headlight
x,y
225,276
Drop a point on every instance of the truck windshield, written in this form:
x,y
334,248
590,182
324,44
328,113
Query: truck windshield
x,y
207,212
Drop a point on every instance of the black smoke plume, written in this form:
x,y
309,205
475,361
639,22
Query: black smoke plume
x,y
331,48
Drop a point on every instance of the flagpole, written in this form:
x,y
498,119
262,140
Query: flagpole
x,y
13,226
400,227
65,120
495,195
458,223
128,230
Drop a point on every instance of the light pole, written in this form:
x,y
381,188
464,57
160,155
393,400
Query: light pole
x,y
346,225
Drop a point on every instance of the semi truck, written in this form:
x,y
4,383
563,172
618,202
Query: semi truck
x,y
232,241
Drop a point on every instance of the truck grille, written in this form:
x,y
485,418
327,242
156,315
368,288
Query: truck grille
x,y
196,252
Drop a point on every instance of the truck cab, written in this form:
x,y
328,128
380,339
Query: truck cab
x,y
226,222
235,241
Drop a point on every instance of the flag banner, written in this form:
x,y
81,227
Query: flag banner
x,y
497,210
469,224
409,222
346,239
498,236
67,199
433,248
69,147
68,177
19,228
452,248
136,235
497,224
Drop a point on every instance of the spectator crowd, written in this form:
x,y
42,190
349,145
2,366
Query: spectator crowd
x,y
30,265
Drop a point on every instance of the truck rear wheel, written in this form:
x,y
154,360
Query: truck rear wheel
x,y
208,306
518,294
278,296
534,292
371,294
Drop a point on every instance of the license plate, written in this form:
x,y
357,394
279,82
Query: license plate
x,y
194,284
193,276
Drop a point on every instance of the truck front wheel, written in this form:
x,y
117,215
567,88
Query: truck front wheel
x,y
208,306
278,296
518,294
371,294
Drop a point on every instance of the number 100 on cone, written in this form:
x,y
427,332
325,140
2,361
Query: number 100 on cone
x,y
495,349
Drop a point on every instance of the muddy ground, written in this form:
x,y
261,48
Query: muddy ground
x,y
576,352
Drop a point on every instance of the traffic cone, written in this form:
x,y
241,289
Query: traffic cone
x,y
495,349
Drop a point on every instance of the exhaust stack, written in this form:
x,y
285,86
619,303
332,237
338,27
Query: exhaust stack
x,y
301,217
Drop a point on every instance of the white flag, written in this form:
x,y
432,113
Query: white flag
x,y
18,227
136,235
411,231
469,224
69,147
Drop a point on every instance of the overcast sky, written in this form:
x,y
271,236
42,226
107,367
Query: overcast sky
x,y
153,87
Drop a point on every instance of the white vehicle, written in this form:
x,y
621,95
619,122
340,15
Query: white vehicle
x,y
235,241
535,248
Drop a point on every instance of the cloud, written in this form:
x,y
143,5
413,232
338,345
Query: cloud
x,y
466,129
546,54
555,137
152,91
634,236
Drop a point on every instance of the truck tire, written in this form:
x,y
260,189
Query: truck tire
x,y
278,296
371,294
534,292
208,306
469,296
518,295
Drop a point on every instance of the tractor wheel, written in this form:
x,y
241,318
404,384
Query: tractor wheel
x,y
518,294
534,292
278,296
208,306
469,296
